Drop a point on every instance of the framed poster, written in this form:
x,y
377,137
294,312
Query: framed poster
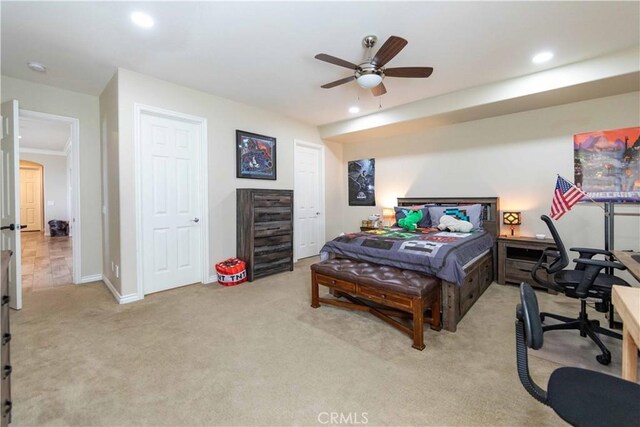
x,y
361,176
255,156
607,164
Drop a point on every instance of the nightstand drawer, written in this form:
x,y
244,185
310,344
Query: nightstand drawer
x,y
519,265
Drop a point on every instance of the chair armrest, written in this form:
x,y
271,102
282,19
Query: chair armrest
x,y
598,263
591,268
588,253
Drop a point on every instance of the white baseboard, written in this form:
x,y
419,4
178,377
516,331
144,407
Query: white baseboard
x,y
91,278
212,279
121,299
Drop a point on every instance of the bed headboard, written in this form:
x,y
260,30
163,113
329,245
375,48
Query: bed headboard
x,y
490,207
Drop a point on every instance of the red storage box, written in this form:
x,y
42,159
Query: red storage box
x,y
231,272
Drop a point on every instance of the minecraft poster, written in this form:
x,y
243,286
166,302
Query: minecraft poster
x,y
607,164
361,175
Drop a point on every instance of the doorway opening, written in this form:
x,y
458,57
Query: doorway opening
x,y
50,249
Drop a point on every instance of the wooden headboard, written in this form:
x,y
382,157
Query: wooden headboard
x,y
490,207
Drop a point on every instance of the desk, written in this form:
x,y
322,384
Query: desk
x,y
632,265
627,303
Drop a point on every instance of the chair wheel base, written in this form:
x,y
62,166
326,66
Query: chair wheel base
x,y
603,359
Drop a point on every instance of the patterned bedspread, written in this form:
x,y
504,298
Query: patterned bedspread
x,y
440,253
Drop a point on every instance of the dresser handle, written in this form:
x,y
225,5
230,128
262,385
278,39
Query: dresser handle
x,y
6,371
6,299
7,408
6,338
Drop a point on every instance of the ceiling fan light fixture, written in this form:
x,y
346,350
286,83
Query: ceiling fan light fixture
x,y
369,80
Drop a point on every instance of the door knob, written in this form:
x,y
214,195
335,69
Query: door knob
x,y
196,220
317,213
13,227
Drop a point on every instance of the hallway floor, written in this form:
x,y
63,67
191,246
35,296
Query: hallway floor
x,y
46,261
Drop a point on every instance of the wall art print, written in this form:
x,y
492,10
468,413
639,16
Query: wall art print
x,y
255,156
361,176
607,164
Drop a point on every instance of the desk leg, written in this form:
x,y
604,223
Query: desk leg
x,y
629,356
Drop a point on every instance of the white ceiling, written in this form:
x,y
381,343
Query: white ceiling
x,y
262,53
43,134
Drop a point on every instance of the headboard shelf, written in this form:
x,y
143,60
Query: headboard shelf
x,y
490,207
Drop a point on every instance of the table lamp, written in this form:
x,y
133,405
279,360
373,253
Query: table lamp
x,y
388,215
511,218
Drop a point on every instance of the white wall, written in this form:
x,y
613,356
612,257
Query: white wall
x,y
515,157
55,185
48,99
111,181
223,118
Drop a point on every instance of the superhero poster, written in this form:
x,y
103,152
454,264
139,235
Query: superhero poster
x,y
361,175
255,156
607,164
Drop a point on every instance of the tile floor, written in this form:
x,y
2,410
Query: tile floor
x,y
46,261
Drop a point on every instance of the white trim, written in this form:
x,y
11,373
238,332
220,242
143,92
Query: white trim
x,y
75,219
138,111
211,279
91,278
120,299
67,147
300,143
28,150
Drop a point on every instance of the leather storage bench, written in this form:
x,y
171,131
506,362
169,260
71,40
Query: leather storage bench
x,y
383,291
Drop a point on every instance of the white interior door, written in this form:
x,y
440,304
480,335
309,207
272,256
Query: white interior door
x,y
10,198
171,202
308,200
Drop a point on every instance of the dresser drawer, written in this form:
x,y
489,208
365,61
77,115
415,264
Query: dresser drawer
x,y
469,291
335,283
272,244
272,214
518,271
275,228
271,200
267,268
385,298
266,257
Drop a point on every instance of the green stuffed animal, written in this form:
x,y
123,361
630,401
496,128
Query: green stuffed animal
x,y
410,222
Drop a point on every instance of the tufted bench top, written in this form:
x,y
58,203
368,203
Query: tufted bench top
x,y
393,279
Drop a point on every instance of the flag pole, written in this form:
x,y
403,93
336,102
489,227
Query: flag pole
x,y
585,194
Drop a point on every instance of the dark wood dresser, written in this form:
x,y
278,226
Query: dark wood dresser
x,y
6,338
264,238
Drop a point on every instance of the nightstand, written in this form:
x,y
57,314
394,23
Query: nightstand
x,y
517,256
369,228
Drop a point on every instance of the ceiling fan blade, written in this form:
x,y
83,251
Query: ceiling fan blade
x,y
338,82
408,72
379,90
389,49
335,61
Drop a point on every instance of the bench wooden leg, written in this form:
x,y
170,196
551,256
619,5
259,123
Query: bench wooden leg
x,y
418,324
315,293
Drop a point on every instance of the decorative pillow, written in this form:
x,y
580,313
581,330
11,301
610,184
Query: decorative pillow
x,y
401,212
471,213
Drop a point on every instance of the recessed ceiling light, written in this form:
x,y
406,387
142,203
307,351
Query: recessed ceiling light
x,y
354,110
542,57
36,66
141,19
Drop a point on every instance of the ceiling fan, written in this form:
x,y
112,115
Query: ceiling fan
x,y
370,73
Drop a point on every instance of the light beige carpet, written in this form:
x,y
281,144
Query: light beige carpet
x,y
568,348
257,354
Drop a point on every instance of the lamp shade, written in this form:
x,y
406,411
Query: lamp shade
x,y
388,213
511,218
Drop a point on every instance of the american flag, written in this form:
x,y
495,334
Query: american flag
x,y
565,196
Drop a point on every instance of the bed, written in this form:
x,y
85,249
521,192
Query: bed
x,y
463,262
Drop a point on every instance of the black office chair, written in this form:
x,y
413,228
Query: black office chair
x,y
579,396
585,281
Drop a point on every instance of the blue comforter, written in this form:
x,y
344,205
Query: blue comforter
x,y
439,253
